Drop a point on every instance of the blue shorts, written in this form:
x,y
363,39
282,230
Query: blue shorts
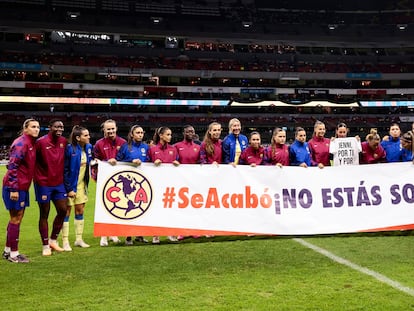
x,y
18,205
45,194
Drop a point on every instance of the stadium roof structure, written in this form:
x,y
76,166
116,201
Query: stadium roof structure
x,y
364,22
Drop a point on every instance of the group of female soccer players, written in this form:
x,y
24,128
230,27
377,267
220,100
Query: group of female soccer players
x,y
60,168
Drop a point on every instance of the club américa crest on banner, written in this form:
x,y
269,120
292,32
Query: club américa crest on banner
x,y
127,195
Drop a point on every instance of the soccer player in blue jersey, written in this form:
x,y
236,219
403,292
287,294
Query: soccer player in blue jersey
x,y
299,151
136,152
78,156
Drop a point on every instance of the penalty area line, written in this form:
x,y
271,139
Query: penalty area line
x,y
380,277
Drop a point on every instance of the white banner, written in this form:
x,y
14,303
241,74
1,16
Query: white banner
x,y
242,200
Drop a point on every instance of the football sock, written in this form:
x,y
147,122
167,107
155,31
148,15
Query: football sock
x,y
65,232
13,232
57,226
44,233
79,223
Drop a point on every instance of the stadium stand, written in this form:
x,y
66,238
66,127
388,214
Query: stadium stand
x,y
240,51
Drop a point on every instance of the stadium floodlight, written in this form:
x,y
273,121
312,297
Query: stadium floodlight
x,y
73,15
247,24
402,27
156,20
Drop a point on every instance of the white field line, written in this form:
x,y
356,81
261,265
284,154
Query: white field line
x,y
380,277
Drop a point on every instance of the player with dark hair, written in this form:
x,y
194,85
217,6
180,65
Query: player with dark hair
x,y
344,150
407,146
48,184
392,144
136,151
163,152
299,153
188,151
78,157
254,154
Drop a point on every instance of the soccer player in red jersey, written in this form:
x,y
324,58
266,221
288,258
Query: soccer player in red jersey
x,y
188,151
372,151
210,150
319,146
105,149
16,184
278,152
163,152
254,154
48,184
